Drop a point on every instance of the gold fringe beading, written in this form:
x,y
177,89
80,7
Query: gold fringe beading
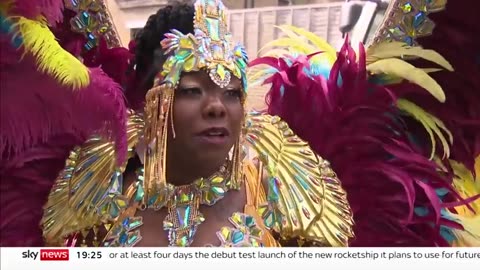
x,y
159,106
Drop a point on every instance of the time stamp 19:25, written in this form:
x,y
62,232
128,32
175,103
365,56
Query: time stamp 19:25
x,y
59,254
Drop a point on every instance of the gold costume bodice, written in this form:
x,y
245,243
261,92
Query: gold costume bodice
x,y
293,197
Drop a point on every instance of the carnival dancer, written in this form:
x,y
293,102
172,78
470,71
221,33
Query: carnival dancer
x,y
181,163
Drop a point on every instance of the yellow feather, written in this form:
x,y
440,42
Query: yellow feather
x,y
254,77
276,53
51,57
286,30
431,70
409,72
467,186
470,235
297,45
396,49
477,169
432,125
300,41
318,42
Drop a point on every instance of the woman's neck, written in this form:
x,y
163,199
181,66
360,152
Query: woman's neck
x,y
182,170
184,173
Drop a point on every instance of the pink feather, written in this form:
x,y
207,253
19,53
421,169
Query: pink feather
x,y
52,10
25,182
36,109
40,123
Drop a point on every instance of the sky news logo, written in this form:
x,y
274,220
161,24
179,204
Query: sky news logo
x,y
47,255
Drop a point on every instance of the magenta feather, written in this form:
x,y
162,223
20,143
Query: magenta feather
x,y
456,31
355,125
115,62
51,10
35,109
25,182
40,123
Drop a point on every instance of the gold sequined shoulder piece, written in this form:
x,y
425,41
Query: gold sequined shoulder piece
x,y
305,199
88,190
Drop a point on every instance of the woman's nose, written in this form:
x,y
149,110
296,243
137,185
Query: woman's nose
x,y
214,108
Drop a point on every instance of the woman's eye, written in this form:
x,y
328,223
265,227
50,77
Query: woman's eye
x,y
190,91
234,93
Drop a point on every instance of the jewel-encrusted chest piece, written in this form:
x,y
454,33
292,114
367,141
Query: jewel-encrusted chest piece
x,y
125,233
183,216
245,233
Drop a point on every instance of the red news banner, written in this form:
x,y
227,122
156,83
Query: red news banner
x,y
47,255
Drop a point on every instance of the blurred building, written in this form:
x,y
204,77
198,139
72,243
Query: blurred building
x,y
252,21
130,15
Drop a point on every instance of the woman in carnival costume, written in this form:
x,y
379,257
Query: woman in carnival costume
x,y
186,105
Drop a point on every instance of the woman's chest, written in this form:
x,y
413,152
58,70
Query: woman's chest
x,y
223,224
159,229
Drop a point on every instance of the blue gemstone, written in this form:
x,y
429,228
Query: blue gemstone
x,y
85,17
249,221
419,19
75,3
123,238
126,221
409,41
237,237
153,199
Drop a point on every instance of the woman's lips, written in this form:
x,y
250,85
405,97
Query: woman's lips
x,y
214,136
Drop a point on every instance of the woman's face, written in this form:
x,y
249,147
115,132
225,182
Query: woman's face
x,y
207,120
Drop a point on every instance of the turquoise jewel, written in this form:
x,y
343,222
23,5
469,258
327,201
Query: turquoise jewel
x,y
273,190
237,237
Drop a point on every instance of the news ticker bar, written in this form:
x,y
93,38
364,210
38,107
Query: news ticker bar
x,y
216,258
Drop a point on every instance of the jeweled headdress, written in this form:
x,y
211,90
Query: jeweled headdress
x,y
209,48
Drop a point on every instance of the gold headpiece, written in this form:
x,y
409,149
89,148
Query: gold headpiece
x,y
208,48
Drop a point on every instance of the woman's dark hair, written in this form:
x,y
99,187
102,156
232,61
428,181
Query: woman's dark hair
x,y
149,56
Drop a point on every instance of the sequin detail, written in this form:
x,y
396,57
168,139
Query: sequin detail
x,y
408,20
245,232
208,48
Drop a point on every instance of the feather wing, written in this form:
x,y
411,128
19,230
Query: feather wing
x,y
91,175
305,198
355,123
